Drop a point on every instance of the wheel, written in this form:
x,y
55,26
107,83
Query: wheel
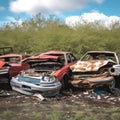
x,y
114,89
64,82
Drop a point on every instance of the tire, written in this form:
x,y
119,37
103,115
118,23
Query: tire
x,y
64,82
114,89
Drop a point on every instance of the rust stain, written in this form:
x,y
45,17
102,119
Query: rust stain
x,y
84,66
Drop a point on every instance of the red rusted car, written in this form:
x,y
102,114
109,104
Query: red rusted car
x,y
67,59
6,50
14,65
45,74
95,69
4,72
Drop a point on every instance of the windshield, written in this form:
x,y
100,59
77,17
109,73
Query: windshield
x,y
47,66
98,56
13,59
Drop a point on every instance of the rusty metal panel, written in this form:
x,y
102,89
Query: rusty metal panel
x,y
85,66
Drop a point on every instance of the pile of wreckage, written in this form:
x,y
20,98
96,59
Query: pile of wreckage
x,y
48,73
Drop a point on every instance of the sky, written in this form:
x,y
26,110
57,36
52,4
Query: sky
x,y
72,11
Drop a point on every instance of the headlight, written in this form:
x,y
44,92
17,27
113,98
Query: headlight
x,y
48,78
16,77
53,79
22,73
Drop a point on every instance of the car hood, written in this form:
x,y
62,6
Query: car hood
x,y
89,66
42,68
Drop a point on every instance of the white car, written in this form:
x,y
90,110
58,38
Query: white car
x,y
95,69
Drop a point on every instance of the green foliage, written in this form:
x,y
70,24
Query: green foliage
x,y
40,34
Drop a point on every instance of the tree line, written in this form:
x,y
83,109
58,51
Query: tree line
x,y
40,34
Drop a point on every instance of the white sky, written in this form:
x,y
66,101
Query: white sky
x,y
92,17
58,7
49,6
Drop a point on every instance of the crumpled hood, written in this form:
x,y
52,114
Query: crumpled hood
x,y
87,66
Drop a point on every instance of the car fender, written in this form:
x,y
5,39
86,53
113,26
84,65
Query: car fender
x,y
65,70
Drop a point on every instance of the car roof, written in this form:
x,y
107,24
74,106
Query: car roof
x,y
11,55
40,57
43,57
101,52
56,52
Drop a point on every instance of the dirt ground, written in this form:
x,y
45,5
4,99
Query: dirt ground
x,y
70,104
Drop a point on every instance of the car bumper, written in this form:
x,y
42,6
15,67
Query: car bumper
x,y
92,82
48,89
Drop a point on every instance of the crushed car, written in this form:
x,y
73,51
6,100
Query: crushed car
x,y
14,65
95,69
4,72
67,59
44,75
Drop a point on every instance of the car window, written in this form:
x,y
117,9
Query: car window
x,y
61,57
2,59
87,57
6,50
15,59
70,58
98,57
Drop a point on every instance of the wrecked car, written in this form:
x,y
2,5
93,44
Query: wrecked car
x,y
6,50
67,59
15,65
45,74
94,69
4,72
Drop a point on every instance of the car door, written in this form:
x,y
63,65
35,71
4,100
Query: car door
x,y
70,59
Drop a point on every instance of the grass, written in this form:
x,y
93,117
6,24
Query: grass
x,y
59,111
8,113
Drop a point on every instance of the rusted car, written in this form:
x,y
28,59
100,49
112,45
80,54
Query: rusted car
x,y
4,72
45,74
94,69
67,59
6,50
15,65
